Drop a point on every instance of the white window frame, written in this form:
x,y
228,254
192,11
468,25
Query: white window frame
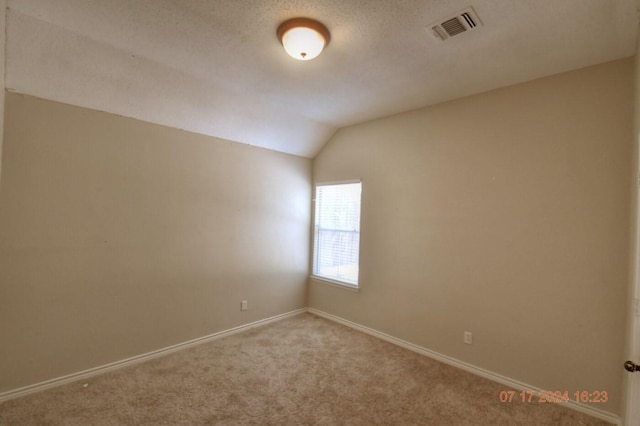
x,y
324,278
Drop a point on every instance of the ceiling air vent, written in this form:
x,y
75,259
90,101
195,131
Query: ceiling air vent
x,y
453,25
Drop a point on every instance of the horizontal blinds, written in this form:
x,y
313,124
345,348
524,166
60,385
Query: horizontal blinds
x,y
337,232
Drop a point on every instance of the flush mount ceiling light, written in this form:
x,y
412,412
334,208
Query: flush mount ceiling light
x,y
303,38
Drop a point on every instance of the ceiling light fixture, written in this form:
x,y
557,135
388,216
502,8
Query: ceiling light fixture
x,y
303,38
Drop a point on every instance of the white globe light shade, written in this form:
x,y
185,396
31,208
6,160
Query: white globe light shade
x,y
303,38
303,43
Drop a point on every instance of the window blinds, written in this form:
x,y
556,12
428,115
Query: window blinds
x,y
337,232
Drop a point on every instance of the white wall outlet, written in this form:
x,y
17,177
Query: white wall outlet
x,y
243,305
468,337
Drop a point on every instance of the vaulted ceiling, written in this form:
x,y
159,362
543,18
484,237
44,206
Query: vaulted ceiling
x,y
217,68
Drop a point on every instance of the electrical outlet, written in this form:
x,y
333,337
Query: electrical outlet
x,y
243,305
468,337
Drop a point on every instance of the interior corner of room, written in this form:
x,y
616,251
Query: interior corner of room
x,y
509,213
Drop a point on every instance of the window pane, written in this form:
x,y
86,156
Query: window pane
x,y
337,232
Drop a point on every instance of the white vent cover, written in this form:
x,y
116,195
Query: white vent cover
x,y
458,23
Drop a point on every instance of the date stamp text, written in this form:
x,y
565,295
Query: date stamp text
x,y
584,397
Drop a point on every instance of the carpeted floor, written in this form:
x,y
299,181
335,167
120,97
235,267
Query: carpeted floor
x,y
300,371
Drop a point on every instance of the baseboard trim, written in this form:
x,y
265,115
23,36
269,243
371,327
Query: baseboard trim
x,y
82,375
515,384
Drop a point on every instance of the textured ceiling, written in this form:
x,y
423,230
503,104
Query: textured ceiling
x,y
216,67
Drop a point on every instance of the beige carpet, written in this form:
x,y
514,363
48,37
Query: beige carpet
x,y
300,371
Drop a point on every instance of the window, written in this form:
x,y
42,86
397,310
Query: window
x,y
336,240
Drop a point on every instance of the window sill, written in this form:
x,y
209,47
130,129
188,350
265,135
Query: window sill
x,y
334,283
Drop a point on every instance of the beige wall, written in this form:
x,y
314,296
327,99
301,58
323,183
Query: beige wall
x,y
3,13
506,214
119,237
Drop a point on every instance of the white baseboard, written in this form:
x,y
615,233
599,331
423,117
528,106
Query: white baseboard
x,y
82,375
515,384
